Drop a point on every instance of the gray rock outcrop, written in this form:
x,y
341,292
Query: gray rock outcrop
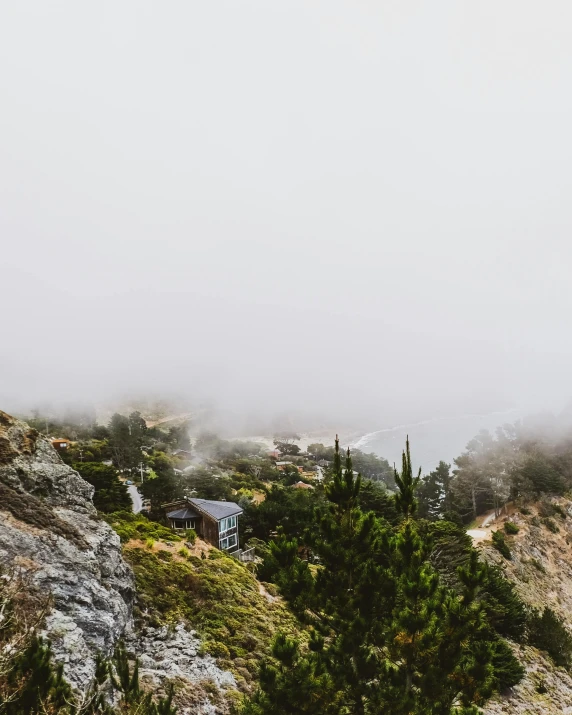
x,y
49,528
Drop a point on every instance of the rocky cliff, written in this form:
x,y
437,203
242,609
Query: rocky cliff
x,y
541,569
49,528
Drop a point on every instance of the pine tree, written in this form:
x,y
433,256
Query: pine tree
x,y
38,685
293,684
390,637
125,680
405,500
436,649
434,493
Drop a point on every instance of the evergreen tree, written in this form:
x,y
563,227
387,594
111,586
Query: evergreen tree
x,y
389,635
434,493
124,679
37,685
126,438
110,492
283,566
292,684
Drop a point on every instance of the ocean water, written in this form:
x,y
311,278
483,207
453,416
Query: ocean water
x,y
432,440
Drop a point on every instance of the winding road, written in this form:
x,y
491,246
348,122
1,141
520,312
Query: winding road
x,y
135,498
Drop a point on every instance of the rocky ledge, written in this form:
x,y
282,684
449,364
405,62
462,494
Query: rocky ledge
x,y
50,530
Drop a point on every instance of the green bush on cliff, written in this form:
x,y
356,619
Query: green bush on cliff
x,y
550,524
500,544
217,596
547,632
135,526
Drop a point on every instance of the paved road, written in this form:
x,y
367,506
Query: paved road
x,y
135,498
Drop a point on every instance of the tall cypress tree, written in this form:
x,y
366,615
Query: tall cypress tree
x,y
390,636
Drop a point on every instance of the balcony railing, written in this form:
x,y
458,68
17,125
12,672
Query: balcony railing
x,y
243,556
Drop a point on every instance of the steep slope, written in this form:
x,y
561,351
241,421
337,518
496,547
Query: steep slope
x,y
541,569
201,623
50,529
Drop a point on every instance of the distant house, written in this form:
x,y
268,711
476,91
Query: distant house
x,y
274,454
61,445
302,485
214,521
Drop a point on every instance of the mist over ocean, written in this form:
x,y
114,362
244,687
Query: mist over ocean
x,y
442,438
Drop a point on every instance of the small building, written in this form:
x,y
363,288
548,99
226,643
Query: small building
x,y
281,465
302,485
214,521
61,445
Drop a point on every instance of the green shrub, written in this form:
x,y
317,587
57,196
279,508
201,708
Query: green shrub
x,y
511,528
219,598
547,632
560,511
550,524
524,510
216,649
504,609
150,543
507,670
191,536
500,544
136,526
185,553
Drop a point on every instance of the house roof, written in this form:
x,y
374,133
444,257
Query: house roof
x,y
216,509
302,485
185,513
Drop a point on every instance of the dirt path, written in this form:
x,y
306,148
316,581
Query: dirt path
x,y
170,418
264,592
486,523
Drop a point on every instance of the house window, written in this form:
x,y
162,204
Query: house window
x,y
226,524
227,543
184,524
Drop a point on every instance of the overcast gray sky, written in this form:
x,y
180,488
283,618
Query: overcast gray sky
x,y
329,205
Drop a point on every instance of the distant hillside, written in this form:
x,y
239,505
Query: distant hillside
x,y
541,569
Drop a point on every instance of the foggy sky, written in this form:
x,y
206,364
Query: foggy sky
x,y
354,208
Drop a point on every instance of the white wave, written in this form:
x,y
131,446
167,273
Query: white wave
x,y
366,438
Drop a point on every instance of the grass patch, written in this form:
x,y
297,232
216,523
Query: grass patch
x,y
216,596
135,526
511,528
